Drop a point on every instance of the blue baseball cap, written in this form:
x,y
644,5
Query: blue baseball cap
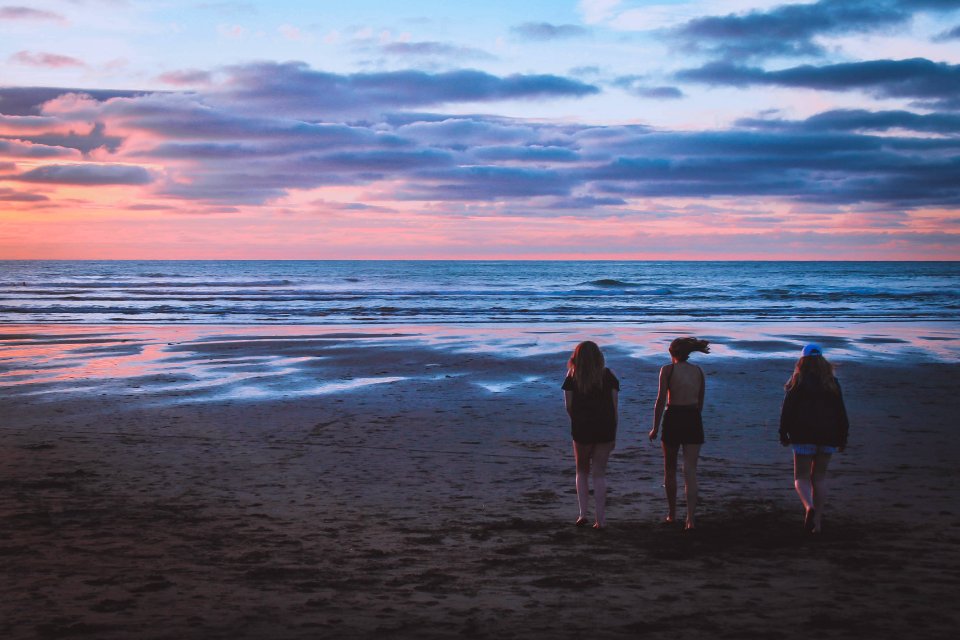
x,y
812,350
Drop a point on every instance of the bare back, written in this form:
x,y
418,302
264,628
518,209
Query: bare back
x,y
685,384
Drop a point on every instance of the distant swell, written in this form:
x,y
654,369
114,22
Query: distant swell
x,y
424,292
153,284
609,282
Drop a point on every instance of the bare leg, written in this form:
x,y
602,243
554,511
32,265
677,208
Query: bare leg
x,y
691,455
582,453
670,479
601,453
818,477
801,479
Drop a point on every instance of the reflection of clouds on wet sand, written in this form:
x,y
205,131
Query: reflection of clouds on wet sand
x,y
256,388
500,386
193,363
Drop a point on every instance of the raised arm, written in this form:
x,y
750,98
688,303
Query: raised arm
x,y
661,401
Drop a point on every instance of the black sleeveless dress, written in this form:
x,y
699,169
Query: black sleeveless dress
x,y
593,417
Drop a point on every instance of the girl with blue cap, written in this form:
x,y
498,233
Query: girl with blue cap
x,y
814,421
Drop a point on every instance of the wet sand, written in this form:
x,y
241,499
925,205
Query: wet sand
x,y
225,482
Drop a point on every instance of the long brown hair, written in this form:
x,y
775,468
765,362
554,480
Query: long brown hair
x,y
681,348
586,366
814,366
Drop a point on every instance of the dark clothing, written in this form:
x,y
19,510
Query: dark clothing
x,y
593,416
812,414
682,424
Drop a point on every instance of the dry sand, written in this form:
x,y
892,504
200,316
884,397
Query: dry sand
x,y
161,485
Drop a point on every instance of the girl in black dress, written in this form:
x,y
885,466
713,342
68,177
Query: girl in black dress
x,y
682,387
814,421
590,395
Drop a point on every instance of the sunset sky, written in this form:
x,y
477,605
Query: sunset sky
x,y
729,129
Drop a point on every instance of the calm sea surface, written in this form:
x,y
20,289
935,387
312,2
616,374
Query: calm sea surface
x,y
429,292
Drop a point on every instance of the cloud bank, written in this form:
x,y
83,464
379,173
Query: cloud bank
x,y
264,131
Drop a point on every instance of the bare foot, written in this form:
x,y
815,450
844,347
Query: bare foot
x,y
580,521
669,520
598,526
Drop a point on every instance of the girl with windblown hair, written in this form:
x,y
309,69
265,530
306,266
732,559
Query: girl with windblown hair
x,y
590,395
814,420
681,391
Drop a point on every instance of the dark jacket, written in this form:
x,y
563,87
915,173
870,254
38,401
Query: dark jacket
x,y
812,414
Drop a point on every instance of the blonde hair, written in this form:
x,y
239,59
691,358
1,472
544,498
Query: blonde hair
x,y
586,366
816,366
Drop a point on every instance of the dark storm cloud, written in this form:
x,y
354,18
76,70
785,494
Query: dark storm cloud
x,y
547,31
937,83
295,87
790,29
86,174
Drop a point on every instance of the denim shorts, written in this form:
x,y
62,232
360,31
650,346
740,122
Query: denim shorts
x,y
812,449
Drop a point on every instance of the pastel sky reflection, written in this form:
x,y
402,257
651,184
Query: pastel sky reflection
x,y
175,364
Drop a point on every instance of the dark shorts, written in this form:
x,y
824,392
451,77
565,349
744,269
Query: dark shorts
x,y
682,425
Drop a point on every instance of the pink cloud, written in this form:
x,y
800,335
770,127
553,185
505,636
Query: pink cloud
x,y
185,77
26,13
26,149
41,59
12,195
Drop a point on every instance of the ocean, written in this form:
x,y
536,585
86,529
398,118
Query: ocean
x,y
457,292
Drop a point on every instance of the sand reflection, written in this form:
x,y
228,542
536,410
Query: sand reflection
x,y
203,362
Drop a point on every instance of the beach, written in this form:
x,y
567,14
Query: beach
x,y
401,481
